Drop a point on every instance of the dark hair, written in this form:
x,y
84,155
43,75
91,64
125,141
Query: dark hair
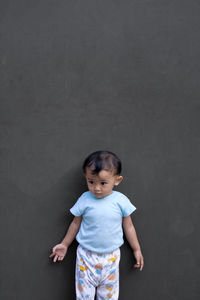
x,y
102,160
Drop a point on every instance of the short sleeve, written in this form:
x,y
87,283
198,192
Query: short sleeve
x,y
127,208
78,208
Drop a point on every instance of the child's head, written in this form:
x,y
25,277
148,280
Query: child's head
x,y
102,171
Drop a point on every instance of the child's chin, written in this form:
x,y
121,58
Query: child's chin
x,y
98,195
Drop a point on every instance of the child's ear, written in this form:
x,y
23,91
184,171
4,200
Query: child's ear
x,y
118,180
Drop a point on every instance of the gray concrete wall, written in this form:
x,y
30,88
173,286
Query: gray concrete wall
x,y
79,76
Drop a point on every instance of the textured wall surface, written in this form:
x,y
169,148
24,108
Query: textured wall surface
x,y
79,76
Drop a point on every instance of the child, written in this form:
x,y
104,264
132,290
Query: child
x,y
99,215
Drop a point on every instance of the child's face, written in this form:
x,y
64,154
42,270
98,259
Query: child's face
x,y
101,184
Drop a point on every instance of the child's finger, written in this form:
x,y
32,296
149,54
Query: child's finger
x,y
52,254
141,267
142,264
55,258
137,265
54,249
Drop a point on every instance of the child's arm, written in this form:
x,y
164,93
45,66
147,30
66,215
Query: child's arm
x,y
72,231
131,236
60,250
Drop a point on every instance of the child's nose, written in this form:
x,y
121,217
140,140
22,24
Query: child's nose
x,y
97,187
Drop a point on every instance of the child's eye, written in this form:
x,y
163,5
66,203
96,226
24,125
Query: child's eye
x,y
103,183
91,182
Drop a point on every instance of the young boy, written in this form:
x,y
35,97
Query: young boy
x,y
99,215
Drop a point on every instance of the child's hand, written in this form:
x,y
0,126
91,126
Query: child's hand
x,y
59,251
139,259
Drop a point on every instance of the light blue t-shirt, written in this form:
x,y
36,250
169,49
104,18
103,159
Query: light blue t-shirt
x,y
101,227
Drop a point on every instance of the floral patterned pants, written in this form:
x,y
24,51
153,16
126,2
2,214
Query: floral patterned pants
x,y
97,273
